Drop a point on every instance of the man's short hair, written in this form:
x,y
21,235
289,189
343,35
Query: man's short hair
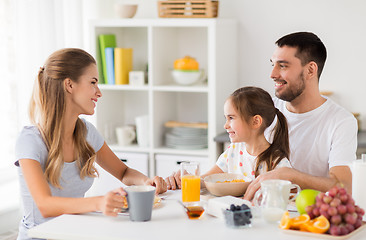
x,y
309,48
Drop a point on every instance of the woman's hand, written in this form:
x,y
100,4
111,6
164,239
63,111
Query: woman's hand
x,y
113,202
157,182
173,181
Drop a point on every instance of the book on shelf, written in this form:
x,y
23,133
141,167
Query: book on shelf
x,y
109,61
105,41
122,64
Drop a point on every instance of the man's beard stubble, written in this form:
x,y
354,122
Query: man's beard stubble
x,y
292,93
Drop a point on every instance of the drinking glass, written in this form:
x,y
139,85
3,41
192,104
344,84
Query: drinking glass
x,y
191,181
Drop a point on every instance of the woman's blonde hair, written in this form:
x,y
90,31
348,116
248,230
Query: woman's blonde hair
x,y
47,111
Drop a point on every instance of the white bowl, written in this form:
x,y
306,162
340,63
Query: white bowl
x,y
188,77
216,186
126,10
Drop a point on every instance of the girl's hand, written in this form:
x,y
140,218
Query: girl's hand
x,y
157,182
113,202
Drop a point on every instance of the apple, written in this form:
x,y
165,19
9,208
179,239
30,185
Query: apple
x,y
305,198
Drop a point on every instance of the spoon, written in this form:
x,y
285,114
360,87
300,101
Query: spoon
x,y
182,205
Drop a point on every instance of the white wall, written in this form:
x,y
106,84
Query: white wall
x,y
339,23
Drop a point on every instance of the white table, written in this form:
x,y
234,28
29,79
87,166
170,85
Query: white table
x,y
169,221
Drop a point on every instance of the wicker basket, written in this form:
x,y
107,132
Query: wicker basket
x,y
188,8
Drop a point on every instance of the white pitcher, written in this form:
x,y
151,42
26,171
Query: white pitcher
x,y
273,198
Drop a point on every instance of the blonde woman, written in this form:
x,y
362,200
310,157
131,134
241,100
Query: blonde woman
x,y
56,155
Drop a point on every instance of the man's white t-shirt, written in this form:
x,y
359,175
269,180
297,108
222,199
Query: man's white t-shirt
x,y
320,139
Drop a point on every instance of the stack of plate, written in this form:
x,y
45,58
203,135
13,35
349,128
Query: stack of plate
x,y
186,138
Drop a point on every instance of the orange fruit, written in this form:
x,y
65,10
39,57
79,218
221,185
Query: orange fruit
x,y
303,223
186,63
319,225
285,222
306,226
299,221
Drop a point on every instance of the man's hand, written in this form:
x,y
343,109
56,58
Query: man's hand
x,y
173,182
338,174
255,185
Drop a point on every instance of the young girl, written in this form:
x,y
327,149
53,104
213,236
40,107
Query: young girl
x,y
56,155
248,112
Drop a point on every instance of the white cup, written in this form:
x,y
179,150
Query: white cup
x,y
142,130
125,135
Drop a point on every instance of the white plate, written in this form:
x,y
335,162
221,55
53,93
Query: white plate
x,y
324,235
187,147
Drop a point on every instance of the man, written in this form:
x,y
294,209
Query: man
x,y
322,135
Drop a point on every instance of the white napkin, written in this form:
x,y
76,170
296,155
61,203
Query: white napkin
x,y
218,204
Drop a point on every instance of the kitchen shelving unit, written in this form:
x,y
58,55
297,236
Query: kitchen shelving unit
x,y
157,43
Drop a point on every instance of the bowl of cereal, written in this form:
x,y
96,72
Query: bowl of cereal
x,y
224,184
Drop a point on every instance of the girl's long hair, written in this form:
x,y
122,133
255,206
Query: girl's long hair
x,y
47,111
251,101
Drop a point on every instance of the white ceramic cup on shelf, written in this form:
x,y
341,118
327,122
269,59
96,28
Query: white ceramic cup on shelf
x,y
142,130
125,135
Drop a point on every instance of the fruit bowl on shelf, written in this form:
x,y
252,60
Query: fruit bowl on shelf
x,y
188,77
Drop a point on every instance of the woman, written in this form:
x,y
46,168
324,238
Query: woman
x,y
56,155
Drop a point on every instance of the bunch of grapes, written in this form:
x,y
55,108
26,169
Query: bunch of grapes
x,y
339,208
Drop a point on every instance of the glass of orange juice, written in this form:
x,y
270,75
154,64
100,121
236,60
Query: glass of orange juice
x,y
191,182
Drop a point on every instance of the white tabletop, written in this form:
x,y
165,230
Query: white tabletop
x,y
169,221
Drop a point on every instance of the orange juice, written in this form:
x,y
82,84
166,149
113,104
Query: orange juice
x,y
191,187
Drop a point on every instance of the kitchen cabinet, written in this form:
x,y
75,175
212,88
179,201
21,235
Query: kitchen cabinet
x,y
157,43
165,163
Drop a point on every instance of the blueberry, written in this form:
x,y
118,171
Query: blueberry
x,y
244,207
232,207
249,214
241,221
